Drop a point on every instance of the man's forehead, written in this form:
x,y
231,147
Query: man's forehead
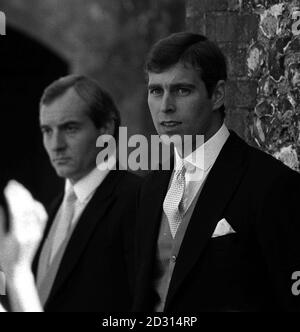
x,y
57,113
174,75
55,120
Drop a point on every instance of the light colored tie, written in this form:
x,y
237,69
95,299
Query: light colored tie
x,y
54,246
64,226
173,203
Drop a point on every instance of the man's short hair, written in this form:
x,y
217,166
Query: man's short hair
x,y
193,50
100,105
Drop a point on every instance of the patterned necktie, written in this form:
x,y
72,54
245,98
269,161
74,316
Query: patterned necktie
x,y
173,203
64,225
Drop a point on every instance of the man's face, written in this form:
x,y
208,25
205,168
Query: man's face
x,y
179,103
69,136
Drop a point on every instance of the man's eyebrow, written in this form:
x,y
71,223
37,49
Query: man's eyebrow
x,y
70,122
175,85
183,84
62,124
154,85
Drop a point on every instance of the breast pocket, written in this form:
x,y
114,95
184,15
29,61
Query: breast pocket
x,y
224,243
221,257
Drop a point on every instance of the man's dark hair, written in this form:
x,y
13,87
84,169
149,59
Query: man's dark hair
x,y
190,49
100,105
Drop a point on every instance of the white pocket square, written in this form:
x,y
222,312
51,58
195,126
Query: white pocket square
x,y
223,228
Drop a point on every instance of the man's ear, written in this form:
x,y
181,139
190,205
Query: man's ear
x,y
218,97
108,128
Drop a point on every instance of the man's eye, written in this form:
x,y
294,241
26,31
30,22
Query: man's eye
x,y
71,129
155,91
46,131
183,91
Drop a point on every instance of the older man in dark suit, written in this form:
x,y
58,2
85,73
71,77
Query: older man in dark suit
x,y
220,231
84,262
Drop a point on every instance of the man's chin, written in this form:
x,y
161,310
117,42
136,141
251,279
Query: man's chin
x,y
168,139
62,172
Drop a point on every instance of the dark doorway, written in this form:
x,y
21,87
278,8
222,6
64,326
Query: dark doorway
x,y
26,68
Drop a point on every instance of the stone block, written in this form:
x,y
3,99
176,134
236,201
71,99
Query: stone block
x,y
241,94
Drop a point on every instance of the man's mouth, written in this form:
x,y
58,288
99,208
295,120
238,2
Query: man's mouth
x,y
170,124
62,160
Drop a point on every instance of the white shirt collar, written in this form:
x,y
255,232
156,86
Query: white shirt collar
x,y
85,187
206,154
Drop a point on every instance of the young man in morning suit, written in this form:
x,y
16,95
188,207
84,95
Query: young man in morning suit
x,y
222,234
84,262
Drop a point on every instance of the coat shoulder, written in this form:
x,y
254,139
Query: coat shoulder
x,y
128,182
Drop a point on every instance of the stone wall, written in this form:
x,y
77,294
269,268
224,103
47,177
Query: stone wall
x,y
261,41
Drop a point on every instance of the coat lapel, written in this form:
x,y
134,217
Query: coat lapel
x,y
149,217
93,214
220,186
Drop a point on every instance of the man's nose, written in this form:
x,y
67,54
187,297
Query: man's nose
x,y
167,104
58,141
